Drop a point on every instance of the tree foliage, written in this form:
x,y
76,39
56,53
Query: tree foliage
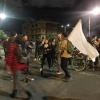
x,y
3,35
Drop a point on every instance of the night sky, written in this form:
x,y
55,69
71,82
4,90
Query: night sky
x,y
62,11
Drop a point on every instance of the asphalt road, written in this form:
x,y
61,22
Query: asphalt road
x,y
83,86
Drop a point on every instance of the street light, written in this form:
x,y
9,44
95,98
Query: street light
x,y
95,12
2,16
68,25
62,26
65,26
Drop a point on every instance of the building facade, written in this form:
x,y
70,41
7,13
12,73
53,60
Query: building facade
x,y
41,28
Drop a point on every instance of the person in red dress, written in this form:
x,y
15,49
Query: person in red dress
x,y
12,62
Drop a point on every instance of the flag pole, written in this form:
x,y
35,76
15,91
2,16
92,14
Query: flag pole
x,y
89,26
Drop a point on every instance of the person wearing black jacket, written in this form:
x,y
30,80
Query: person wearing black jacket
x,y
47,50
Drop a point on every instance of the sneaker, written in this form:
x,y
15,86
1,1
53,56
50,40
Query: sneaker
x,y
35,59
32,79
59,72
41,69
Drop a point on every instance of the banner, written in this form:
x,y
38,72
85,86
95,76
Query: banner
x,y
77,38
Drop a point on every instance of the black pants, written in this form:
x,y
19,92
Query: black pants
x,y
53,58
48,57
36,52
64,65
96,61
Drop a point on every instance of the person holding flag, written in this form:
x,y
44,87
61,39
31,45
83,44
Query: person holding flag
x,y
64,54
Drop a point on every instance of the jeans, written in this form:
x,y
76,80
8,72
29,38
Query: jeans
x,y
64,66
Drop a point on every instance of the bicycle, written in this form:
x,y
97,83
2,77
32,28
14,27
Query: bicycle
x,y
81,62
78,62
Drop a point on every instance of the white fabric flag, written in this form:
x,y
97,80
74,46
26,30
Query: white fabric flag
x,y
77,38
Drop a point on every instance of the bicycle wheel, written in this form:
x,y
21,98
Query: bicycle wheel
x,y
39,59
79,64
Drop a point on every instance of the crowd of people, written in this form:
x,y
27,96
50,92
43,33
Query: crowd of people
x,y
18,50
95,42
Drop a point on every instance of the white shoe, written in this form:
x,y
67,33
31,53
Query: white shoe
x,y
35,59
32,79
59,73
41,69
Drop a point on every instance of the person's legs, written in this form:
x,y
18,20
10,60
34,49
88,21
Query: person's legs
x,y
52,59
14,91
96,61
49,60
42,63
59,71
64,67
18,86
36,52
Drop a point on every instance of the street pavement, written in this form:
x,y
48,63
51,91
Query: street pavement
x,y
83,86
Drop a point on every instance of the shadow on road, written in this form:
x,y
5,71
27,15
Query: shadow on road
x,y
57,98
4,93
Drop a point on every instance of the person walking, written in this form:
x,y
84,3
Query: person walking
x,y
12,62
64,55
46,55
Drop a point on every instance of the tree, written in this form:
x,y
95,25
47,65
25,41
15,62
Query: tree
x,y
3,35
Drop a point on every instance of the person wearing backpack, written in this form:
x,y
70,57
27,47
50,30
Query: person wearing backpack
x,y
64,55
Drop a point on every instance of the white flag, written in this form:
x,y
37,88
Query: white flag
x,y
77,38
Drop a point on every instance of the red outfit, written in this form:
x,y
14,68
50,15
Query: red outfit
x,y
11,59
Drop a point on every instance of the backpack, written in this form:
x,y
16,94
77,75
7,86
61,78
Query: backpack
x,y
70,47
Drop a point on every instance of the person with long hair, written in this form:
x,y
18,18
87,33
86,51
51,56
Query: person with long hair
x,y
12,62
46,46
